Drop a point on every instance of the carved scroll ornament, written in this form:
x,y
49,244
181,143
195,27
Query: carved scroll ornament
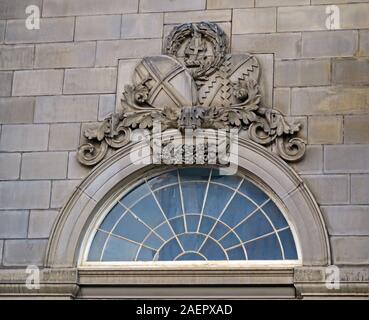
x,y
196,84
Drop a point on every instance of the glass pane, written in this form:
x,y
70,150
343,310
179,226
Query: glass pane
x,y
119,250
112,217
264,249
97,246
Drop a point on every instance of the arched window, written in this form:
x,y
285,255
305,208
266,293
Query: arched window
x,y
193,214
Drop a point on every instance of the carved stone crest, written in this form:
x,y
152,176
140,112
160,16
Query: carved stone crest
x,y
197,83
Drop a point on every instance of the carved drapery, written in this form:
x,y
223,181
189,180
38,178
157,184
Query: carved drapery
x,y
197,83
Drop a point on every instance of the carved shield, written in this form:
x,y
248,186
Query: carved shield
x,y
221,89
170,83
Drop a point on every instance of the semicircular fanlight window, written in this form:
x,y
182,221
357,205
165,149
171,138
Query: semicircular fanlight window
x,y
193,214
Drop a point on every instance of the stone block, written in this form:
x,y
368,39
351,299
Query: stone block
x,y
44,165
325,130
13,224
198,16
360,188
16,9
125,73
229,4
16,57
65,55
280,3
94,80
109,52
301,18
282,100
9,166
6,79
347,220
350,71
37,82
2,30
364,43
257,20
354,16
283,45
312,162
106,106
105,27
346,158
171,5
329,101
350,250
64,136
302,73
61,191
41,223
57,8
24,137
24,252
25,194
329,189
75,169
356,129
149,25
67,108
51,30
329,43
1,251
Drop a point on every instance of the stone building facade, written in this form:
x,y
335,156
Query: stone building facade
x,y
68,75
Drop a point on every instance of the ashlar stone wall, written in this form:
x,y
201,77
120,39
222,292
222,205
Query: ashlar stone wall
x,y
58,79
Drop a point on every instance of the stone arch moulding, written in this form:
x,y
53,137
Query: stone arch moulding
x,y
108,178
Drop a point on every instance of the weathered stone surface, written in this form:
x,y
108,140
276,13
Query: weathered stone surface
x,y
75,169
198,16
350,71
312,162
16,9
65,55
360,188
225,4
37,82
24,252
301,18
347,220
300,73
149,25
282,100
283,45
329,189
280,3
61,191
259,20
109,52
24,137
350,250
25,194
325,130
13,224
125,74
9,166
41,222
106,105
95,80
98,27
44,165
2,30
51,30
329,43
329,100
64,136
364,42
56,8
346,159
67,108
354,16
335,1
6,79
1,251
16,57
171,5
356,129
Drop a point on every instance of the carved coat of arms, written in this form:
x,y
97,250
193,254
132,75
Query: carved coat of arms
x,y
197,83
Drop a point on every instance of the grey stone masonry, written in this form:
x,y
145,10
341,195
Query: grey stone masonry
x,y
16,9
16,57
148,25
6,79
260,20
13,224
351,71
350,250
9,166
98,27
360,188
24,252
41,222
170,5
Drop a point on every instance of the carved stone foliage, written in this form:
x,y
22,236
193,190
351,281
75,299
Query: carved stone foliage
x,y
196,84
